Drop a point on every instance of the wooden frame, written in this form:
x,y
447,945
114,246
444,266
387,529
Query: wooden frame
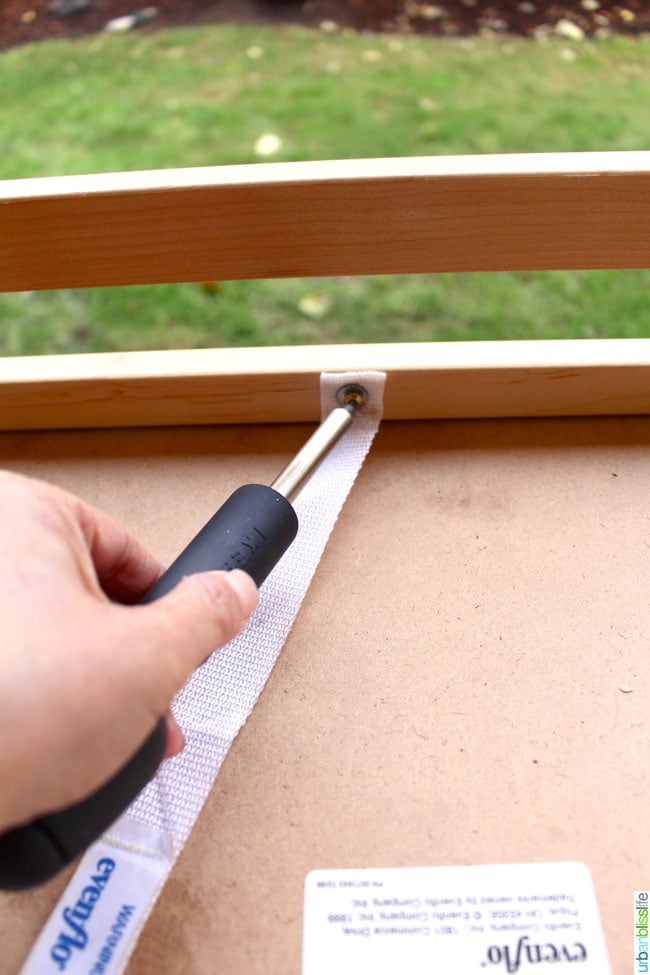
x,y
272,385
392,216
576,210
506,616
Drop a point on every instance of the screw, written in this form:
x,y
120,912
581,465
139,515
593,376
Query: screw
x,y
353,396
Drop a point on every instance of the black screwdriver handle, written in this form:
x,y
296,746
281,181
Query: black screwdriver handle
x,y
251,531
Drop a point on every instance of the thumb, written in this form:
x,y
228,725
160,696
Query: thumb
x,y
181,629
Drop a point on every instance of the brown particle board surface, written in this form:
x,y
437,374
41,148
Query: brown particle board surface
x,y
449,693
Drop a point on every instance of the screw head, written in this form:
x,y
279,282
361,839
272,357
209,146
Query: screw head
x,y
352,395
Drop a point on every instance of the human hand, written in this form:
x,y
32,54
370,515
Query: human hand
x,y
85,677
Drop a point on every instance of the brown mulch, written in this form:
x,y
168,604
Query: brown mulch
x,y
24,21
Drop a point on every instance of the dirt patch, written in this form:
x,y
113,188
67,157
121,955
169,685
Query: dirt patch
x,y
24,21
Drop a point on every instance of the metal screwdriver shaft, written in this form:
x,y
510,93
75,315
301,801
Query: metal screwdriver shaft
x,y
294,475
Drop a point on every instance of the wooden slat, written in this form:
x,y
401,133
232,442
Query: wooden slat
x,y
425,380
481,213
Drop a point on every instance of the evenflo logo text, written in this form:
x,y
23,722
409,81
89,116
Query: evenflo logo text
x,y
73,935
512,958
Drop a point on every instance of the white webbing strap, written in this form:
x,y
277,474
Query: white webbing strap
x,y
95,925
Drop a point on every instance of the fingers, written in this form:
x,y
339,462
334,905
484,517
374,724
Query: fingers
x,y
172,636
125,569
104,550
175,737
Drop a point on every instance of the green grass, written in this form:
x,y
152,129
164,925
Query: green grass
x,y
203,97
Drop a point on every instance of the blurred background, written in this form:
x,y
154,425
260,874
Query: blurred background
x,y
105,85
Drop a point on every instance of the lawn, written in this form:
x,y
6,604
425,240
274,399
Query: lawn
x,y
205,97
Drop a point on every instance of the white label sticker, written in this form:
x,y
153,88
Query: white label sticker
x,y
498,919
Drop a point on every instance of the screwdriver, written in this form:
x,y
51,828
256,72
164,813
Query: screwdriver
x,y
251,531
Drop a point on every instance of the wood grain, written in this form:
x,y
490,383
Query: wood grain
x,y
394,216
271,385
